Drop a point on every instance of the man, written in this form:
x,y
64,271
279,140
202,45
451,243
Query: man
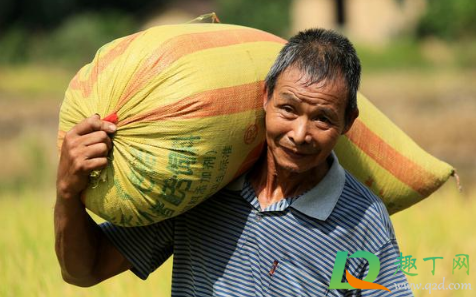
x,y
273,232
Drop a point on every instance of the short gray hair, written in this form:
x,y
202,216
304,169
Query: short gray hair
x,y
322,55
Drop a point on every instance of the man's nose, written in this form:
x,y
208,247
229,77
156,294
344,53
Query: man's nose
x,y
300,131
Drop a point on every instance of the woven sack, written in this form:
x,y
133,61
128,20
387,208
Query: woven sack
x,y
188,102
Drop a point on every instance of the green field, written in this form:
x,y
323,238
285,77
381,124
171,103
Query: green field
x,y
442,225
28,262
436,109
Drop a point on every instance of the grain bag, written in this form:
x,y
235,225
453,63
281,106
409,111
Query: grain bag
x,y
388,161
188,103
189,109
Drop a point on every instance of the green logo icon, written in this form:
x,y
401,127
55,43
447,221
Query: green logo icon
x,y
353,282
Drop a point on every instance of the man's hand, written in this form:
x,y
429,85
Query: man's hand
x,y
85,148
84,253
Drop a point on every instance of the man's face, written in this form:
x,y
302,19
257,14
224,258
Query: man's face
x,y
303,122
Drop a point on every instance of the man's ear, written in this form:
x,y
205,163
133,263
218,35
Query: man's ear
x,y
265,99
350,121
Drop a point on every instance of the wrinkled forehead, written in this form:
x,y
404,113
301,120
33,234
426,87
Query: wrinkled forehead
x,y
312,76
301,78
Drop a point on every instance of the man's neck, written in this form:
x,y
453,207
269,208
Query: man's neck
x,y
273,183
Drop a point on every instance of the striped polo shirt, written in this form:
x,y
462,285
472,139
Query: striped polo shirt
x,y
229,246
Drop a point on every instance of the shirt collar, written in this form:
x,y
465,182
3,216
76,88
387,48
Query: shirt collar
x,y
319,202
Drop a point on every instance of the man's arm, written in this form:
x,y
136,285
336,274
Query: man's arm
x,y
84,253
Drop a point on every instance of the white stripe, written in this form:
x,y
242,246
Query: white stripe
x,y
223,248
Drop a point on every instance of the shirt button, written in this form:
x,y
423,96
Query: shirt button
x,y
258,217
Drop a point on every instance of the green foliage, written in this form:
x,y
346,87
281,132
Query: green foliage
x,y
77,40
400,54
411,54
466,54
36,14
72,44
270,16
12,46
40,15
451,20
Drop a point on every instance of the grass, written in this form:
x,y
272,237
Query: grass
x,y
28,262
427,55
30,82
436,108
442,225
401,54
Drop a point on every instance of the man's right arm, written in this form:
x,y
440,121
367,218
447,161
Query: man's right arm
x,y
84,253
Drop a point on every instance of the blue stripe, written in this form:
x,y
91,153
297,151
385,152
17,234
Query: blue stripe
x,y
227,247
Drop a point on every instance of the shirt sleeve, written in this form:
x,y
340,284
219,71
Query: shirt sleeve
x,y
146,247
389,276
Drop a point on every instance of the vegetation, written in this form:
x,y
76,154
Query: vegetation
x,y
271,16
28,261
424,83
439,226
450,20
29,266
72,44
60,37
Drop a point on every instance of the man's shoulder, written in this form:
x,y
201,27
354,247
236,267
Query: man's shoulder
x,y
366,210
226,201
357,194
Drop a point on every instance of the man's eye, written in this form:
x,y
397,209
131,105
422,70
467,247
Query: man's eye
x,y
287,108
322,119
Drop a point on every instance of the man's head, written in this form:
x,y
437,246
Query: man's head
x,y
321,55
310,98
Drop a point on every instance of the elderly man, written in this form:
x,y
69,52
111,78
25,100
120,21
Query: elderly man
x,y
273,232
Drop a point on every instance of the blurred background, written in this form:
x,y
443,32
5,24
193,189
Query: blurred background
x,y
419,68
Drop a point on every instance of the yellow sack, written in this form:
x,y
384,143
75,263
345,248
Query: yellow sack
x,y
386,160
190,119
189,105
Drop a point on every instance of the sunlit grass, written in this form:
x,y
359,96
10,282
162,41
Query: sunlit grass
x,y
28,265
34,81
442,225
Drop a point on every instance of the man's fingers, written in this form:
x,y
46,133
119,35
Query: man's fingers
x,y
96,150
97,137
93,124
108,127
85,149
85,167
96,164
88,125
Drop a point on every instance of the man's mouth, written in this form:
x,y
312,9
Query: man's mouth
x,y
294,153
